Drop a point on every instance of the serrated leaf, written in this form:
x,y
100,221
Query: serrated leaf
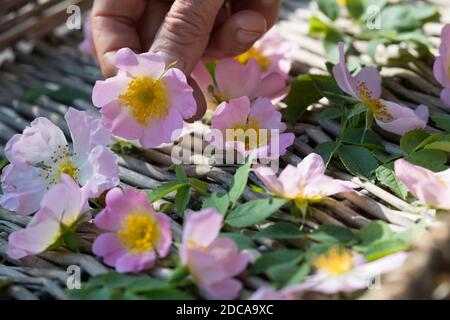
x,y
219,201
373,232
357,110
330,113
317,27
303,93
280,230
362,136
180,172
164,189
198,185
240,181
330,8
386,176
182,199
355,8
300,274
282,273
326,150
384,248
278,257
442,120
439,146
430,159
358,160
253,212
410,140
328,233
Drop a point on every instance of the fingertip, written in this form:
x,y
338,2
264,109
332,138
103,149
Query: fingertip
x,y
246,27
108,64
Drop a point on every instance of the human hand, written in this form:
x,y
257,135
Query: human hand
x,y
181,30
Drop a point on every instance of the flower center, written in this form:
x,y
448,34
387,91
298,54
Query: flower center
x,y
342,2
255,53
67,168
139,232
336,261
60,162
146,99
378,108
251,134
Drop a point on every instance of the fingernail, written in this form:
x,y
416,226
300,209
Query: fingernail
x,y
246,37
169,59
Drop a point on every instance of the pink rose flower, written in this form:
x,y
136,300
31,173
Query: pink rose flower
x,y
262,71
340,270
303,184
250,127
366,88
212,261
441,66
272,53
134,231
63,204
41,154
432,188
145,101
233,80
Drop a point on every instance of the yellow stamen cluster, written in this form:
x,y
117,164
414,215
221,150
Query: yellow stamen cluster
x,y
139,232
253,136
336,261
257,54
342,2
69,169
378,108
146,98
60,162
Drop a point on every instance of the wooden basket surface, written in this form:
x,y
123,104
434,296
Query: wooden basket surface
x,y
60,64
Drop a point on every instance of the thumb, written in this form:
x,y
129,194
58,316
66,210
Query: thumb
x,y
185,32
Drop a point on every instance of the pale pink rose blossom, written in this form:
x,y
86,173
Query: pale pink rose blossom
x,y
366,88
441,66
262,71
304,184
272,53
259,120
233,80
134,231
431,188
64,204
41,154
346,271
213,262
145,101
